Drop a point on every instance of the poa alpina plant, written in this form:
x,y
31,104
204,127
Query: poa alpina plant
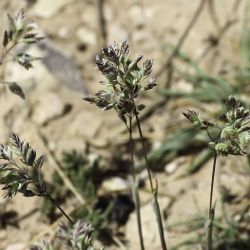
x,y
233,137
20,171
20,31
76,237
125,80
20,168
24,176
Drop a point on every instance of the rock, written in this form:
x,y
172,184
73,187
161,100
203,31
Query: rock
x,y
3,235
141,36
88,18
16,246
49,107
86,36
183,86
115,184
63,67
116,33
63,33
173,165
136,16
108,12
48,8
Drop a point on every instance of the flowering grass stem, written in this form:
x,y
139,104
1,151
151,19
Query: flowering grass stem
x,y
211,209
135,185
153,190
50,198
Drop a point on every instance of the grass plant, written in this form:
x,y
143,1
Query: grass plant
x,y
125,81
232,138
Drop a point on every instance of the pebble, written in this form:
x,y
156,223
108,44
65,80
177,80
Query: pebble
x,y
115,184
49,107
48,8
117,33
86,36
136,16
16,246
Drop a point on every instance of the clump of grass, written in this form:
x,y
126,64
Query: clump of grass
x,y
20,167
20,171
76,237
125,80
85,174
232,138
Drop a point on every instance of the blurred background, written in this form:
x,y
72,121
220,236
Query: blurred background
x,y
201,53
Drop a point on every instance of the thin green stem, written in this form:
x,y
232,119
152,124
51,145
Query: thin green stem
x,y
209,135
154,191
134,185
6,51
131,147
211,210
50,198
144,152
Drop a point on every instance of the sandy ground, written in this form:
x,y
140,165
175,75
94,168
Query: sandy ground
x,y
73,38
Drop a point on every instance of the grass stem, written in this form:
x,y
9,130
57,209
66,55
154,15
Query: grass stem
x,y
50,198
211,210
135,185
154,191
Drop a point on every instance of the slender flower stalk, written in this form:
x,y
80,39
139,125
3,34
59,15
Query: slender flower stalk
x,y
144,152
211,209
153,190
50,198
135,185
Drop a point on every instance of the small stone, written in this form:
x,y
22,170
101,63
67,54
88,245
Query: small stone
x,y
115,184
171,167
140,36
48,8
16,246
63,33
117,33
3,234
108,12
136,16
86,36
184,86
49,107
